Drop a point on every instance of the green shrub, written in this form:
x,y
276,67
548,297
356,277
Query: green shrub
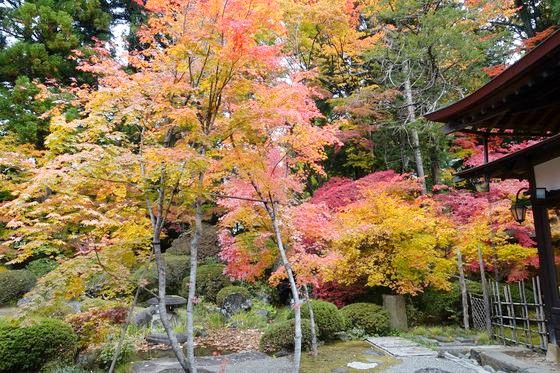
x,y
280,337
29,348
210,279
14,284
373,319
328,318
229,290
41,267
441,306
177,267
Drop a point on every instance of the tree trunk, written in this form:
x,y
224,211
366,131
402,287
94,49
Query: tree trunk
x,y
463,286
161,305
293,287
436,169
411,108
197,234
311,321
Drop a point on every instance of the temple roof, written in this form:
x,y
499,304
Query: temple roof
x,y
517,165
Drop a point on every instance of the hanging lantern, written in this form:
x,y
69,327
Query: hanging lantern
x,y
519,208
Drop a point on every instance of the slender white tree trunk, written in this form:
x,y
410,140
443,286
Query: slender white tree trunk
x,y
314,351
411,108
463,286
161,304
197,234
293,287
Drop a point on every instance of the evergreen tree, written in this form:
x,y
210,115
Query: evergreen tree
x,y
37,38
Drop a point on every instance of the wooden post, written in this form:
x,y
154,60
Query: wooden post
x,y
485,292
463,285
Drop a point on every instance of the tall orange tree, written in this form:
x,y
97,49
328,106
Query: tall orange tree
x,y
210,78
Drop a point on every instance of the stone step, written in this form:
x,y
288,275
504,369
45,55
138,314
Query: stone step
x,y
400,347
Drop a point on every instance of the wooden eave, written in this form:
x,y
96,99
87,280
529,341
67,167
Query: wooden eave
x,y
517,165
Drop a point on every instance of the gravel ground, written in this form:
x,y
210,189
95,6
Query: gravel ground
x,y
412,364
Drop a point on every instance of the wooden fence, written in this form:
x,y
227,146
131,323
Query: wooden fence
x,y
517,313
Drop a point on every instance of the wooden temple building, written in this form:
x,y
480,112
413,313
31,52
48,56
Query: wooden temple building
x,y
524,101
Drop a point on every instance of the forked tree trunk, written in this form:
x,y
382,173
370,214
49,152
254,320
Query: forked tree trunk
x,y
311,321
411,108
293,288
197,234
161,304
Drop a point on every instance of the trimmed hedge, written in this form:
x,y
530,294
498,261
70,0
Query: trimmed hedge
x,y
328,319
229,290
280,337
177,267
373,319
29,348
41,267
210,279
14,284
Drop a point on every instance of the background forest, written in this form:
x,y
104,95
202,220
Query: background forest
x,y
276,149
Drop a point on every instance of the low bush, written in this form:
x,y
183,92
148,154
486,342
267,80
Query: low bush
x,y
41,267
210,279
14,284
280,337
95,325
229,290
29,348
373,319
177,267
328,318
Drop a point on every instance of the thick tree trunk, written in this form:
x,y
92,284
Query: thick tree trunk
x,y
411,108
463,285
197,234
311,321
293,287
161,305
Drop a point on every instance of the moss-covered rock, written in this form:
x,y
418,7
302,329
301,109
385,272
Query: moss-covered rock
x,y
230,290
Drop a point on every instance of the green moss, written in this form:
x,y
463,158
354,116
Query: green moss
x,y
338,355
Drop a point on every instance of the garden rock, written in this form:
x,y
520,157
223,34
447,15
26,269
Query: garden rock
x,y
144,316
75,306
361,366
431,370
161,338
235,303
24,302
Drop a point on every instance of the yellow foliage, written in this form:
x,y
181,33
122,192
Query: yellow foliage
x,y
388,241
